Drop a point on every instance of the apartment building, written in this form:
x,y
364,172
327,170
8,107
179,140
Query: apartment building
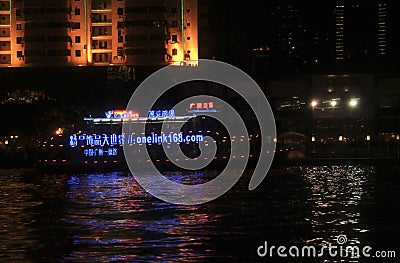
x,y
97,32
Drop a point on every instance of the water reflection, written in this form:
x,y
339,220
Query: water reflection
x,y
337,191
115,212
110,218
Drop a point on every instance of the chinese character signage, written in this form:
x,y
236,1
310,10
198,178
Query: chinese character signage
x,y
198,107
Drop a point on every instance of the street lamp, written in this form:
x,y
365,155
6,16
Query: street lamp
x,y
368,139
314,103
313,140
353,103
333,103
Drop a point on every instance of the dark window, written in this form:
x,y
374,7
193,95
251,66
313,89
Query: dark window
x,y
29,39
19,26
188,38
135,23
174,24
18,12
19,40
120,25
57,25
120,11
156,37
78,53
76,25
19,54
174,38
188,24
157,51
174,52
136,51
59,52
136,37
77,11
188,10
77,39
59,39
157,9
138,9
120,39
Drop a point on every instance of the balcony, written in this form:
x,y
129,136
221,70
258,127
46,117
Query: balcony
x,y
102,23
102,37
101,50
105,10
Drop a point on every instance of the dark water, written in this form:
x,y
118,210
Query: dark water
x,y
109,217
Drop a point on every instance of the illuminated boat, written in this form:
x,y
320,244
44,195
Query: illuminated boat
x,y
98,143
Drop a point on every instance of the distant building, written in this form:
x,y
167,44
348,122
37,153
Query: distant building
x,y
97,32
361,30
288,36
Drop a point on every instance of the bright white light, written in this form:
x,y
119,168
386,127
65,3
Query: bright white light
x,y
333,103
314,103
353,103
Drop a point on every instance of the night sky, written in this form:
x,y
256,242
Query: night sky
x,y
241,27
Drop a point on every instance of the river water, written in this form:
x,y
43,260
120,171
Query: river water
x,y
109,218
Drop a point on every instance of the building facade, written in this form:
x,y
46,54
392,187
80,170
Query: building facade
x,y
97,32
361,30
